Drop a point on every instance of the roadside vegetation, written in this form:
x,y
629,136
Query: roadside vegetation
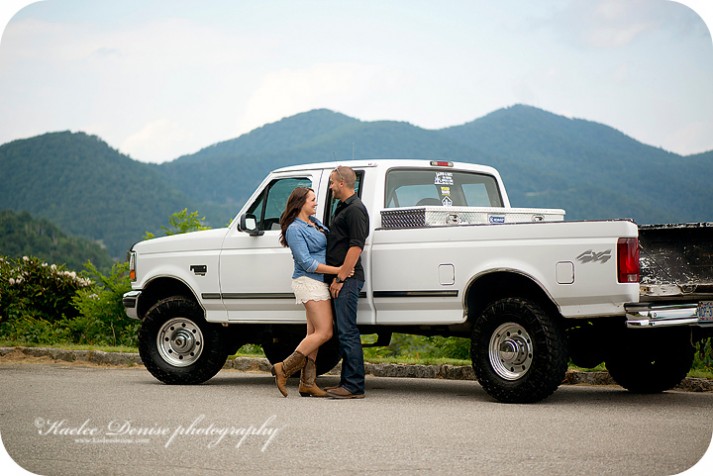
x,y
46,304
43,304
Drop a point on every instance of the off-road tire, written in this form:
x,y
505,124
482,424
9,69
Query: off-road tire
x,y
650,360
178,346
519,352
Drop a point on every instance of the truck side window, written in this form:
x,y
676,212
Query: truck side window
x,y
332,202
271,202
423,187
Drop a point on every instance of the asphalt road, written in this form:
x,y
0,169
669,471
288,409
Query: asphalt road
x,y
66,419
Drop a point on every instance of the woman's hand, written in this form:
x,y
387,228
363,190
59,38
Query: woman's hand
x,y
341,269
335,287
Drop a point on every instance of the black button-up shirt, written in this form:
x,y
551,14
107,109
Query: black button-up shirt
x,y
349,227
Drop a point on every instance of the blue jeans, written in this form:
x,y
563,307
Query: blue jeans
x,y
345,315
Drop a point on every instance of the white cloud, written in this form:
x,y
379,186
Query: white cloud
x,y
690,137
158,141
339,86
612,24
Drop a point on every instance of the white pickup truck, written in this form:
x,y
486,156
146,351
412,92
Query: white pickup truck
x,y
446,255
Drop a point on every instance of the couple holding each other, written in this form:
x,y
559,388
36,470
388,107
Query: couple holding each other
x,y
316,250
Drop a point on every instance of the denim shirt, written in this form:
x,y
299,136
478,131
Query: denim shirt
x,y
308,246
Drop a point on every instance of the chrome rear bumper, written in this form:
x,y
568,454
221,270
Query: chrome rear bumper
x,y
641,315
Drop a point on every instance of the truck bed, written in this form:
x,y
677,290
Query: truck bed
x,y
676,262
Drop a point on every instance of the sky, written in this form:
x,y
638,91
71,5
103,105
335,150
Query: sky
x,y
158,79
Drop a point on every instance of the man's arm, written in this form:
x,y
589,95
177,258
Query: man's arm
x,y
350,261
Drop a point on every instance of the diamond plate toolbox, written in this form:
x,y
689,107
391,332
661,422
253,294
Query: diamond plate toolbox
x,y
420,217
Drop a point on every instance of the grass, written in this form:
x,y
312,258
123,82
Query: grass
x,y
700,373
598,368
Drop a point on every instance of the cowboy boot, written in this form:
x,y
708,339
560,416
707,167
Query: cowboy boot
x,y
283,370
308,386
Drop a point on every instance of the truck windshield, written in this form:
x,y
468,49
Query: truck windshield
x,y
423,187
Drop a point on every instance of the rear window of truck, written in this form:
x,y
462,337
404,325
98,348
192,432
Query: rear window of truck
x,y
423,187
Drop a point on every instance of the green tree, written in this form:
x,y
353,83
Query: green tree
x,y
102,319
181,222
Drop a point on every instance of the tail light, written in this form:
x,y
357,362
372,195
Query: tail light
x,y
627,251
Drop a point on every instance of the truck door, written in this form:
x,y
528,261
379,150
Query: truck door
x,y
256,271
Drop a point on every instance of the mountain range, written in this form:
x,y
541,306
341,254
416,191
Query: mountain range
x,y
89,189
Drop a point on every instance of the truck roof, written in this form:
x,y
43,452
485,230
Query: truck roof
x,y
388,163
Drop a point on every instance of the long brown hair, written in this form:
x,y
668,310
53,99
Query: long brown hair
x,y
294,205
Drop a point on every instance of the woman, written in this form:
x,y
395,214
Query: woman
x,y
306,237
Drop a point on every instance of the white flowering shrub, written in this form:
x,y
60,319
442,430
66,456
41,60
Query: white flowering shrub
x,y
35,297
29,286
43,303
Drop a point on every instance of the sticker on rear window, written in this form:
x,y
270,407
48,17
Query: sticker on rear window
x,y
444,178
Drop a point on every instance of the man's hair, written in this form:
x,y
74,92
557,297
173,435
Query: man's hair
x,y
346,174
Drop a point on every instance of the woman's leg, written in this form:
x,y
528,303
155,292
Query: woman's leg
x,y
310,331
319,331
319,327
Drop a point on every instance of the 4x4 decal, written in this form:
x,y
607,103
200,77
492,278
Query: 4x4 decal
x,y
591,256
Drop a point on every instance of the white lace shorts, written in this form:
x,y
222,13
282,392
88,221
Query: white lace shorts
x,y
308,289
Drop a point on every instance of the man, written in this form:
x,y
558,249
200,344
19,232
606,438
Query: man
x,y
345,242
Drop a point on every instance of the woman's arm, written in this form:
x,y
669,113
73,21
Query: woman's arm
x,y
300,251
326,269
350,261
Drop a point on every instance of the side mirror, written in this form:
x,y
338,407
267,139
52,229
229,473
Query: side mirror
x,y
248,223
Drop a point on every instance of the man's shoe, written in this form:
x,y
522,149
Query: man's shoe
x,y
343,393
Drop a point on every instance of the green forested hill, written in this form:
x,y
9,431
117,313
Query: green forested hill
x,y
590,169
593,171
23,235
229,171
88,189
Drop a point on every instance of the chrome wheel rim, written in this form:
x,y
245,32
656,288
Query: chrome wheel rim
x,y
180,342
510,351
